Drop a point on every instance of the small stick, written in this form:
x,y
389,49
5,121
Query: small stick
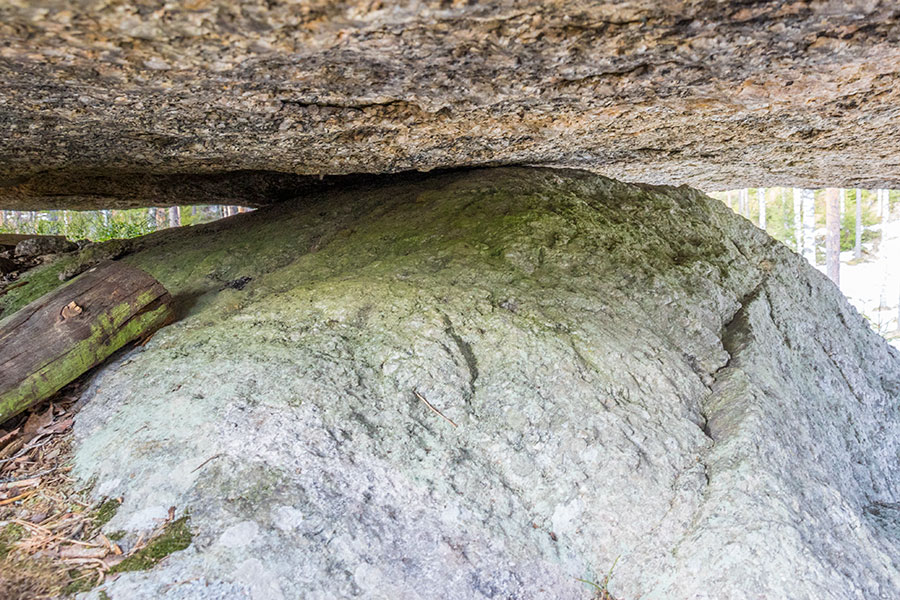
x,y
8,483
48,532
171,585
214,456
436,411
20,483
19,497
146,340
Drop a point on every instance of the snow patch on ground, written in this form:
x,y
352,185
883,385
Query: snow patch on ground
x,y
873,287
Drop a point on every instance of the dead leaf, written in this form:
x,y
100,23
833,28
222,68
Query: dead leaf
x,y
37,421
57,427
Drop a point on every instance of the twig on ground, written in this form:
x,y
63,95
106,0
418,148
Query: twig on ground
x,y
17,498
201,465
10,482
436,411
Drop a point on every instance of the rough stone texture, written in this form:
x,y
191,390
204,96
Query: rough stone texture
x,y
106,102
635,372
44,244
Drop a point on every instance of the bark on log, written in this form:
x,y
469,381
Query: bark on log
x,y
61,335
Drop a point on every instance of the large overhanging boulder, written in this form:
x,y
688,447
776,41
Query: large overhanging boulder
x,y
119,103
610,371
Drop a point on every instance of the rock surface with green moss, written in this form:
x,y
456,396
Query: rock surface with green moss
x,y
616,371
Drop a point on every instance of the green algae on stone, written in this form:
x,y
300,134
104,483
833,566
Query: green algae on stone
x,y
174,537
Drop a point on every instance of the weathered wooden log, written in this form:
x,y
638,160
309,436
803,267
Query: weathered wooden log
x,y
61,335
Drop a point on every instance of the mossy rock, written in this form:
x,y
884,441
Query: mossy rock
x,y
175,536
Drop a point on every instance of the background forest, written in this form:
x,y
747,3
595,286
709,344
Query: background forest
x,y
103,225
868,227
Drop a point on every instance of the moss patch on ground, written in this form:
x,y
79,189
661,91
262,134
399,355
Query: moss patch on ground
x,y
57,515
104,513
23,575
9,535
174,537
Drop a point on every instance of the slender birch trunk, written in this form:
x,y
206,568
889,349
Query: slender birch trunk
x,y
833,235
857,248
808,200
761,197
174,216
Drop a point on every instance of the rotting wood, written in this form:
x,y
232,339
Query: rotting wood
x,y
61,335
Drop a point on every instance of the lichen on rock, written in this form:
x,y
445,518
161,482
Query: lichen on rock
x,y
633,372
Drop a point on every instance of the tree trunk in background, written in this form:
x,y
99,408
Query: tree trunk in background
x,y
857,248
808,200
2,217
833,234
160,218
174,216
761,196
798,223
843,202
744,202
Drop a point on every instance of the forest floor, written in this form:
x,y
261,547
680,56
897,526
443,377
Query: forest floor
x,y
51,545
